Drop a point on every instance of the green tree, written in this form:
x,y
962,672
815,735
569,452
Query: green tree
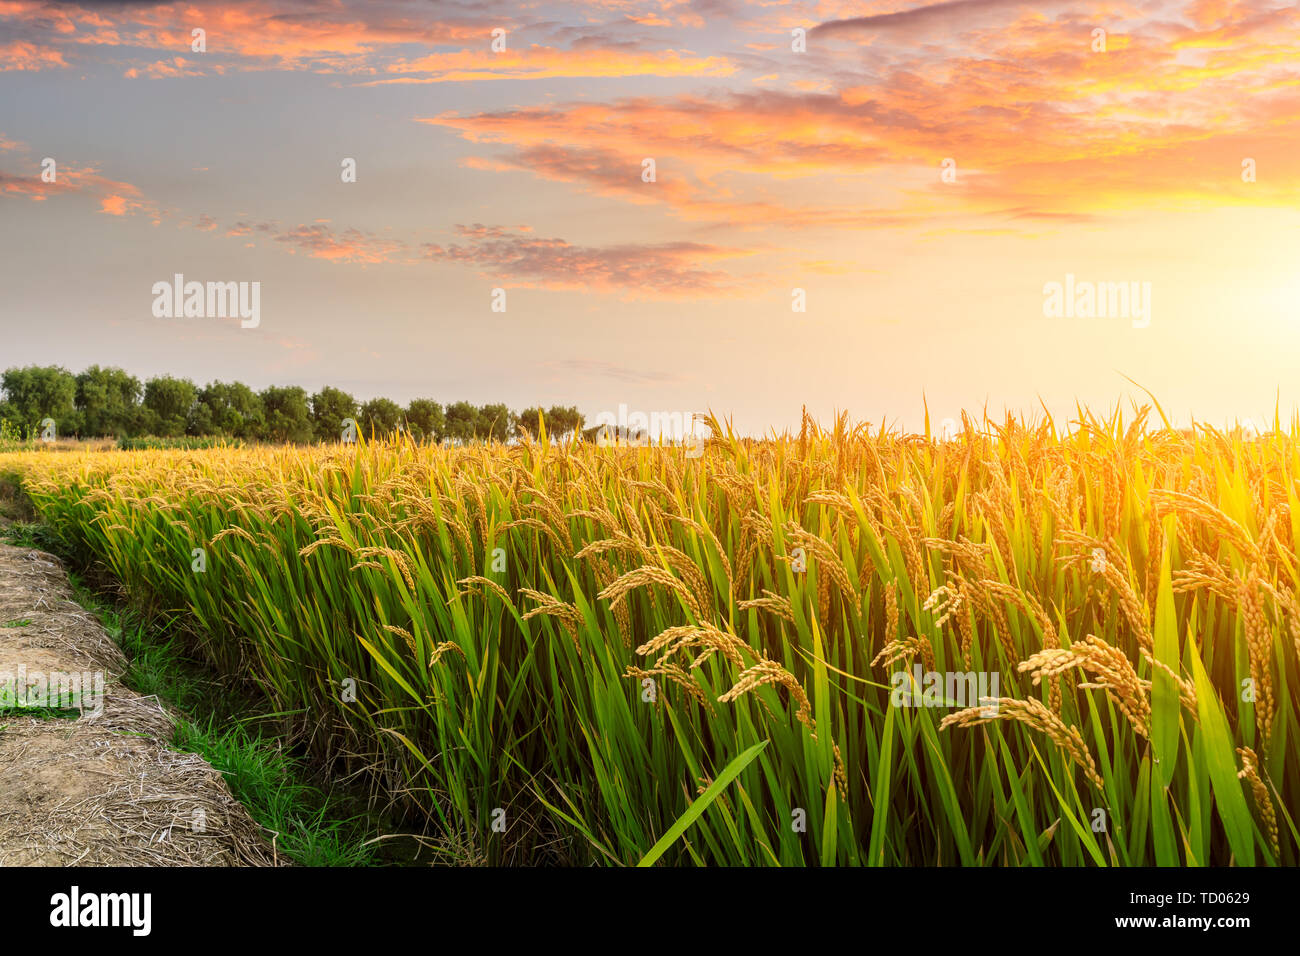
x,y
460,421
108,401
35,393
529,418
167,403
425,419
562,421
495,422
380,417
232,410
200,419
329,407
288,414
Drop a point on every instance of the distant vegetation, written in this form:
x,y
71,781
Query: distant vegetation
x,y
186,442
109,402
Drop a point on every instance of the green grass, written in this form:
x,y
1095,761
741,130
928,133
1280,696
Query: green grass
x,y
25,534
41,712
313,827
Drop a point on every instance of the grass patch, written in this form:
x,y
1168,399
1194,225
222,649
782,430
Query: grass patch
x,y
39,712
313,827
22,534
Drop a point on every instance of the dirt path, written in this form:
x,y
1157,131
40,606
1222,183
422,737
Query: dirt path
x,y
99,790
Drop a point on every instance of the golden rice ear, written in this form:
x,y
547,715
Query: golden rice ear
x,y
1250,773
1034,714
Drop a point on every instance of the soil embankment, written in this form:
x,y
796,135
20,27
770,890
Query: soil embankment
x,y
98,789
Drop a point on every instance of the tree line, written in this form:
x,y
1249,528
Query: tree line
x,y
110,402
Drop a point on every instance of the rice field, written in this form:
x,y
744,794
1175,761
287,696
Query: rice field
x,y
568,654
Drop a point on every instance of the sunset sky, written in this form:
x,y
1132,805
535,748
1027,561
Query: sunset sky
x,y
774,170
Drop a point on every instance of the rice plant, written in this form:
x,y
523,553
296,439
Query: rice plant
x,y
563,653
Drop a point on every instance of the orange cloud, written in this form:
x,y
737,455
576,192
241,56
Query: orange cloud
x,y
668,270
20,55
671,270
165,69
351,36
351,245
114,205
287,34
1040,126
539,62
115,198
